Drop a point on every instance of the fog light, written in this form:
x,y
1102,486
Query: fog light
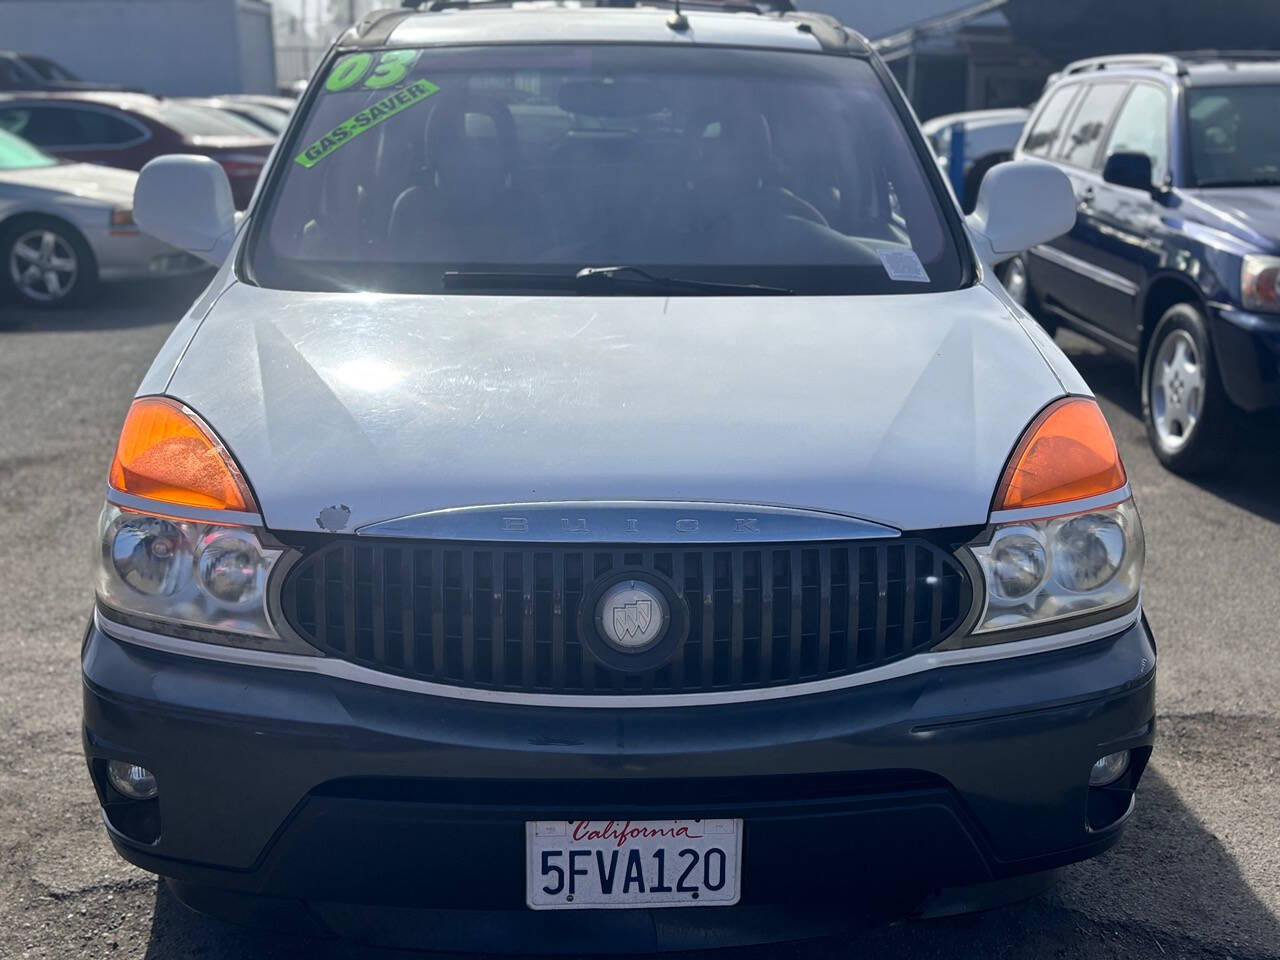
x,y
1109,769
131,780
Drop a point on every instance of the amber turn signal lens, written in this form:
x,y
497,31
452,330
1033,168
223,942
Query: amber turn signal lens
x,y
1067,453
167,453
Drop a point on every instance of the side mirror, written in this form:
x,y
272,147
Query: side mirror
x,y
1020,204
186,202
1129,170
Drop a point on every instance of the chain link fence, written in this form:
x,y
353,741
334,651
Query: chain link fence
x,y
295,62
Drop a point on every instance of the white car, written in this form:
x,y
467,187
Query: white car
x,y
66,226
260,118
604,476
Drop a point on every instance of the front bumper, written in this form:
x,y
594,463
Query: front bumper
x,y
1248,350
306,786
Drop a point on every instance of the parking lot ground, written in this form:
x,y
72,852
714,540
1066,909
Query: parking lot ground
x,y
1197,875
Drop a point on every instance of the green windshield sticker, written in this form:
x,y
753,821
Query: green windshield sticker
x,y
392,68
370,116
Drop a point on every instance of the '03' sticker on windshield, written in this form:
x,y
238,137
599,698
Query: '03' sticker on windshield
x,y
367,118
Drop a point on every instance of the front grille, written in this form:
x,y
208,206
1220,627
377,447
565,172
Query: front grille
x,y
513,618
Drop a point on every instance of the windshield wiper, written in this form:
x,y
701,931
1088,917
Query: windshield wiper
x,y
628,274
1245,182
598,278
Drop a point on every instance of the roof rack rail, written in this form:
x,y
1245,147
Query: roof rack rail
x,y
1169,63
1203,56
746,6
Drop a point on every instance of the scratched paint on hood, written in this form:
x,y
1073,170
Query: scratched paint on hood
x,y
900,410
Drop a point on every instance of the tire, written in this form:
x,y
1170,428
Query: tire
x,y
1017,283
45,263
1189,419
973,179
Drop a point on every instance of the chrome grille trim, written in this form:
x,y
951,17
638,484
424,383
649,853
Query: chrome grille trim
x,y
521,617
335,669
629,521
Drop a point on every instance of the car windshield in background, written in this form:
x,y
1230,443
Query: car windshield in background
x,y
17,154
262,119
516,167
1235,139
48,70
195,121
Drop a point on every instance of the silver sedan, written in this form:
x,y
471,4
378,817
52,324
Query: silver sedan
x,y
66,226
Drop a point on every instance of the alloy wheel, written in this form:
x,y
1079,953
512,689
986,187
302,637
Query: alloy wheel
x,y
1177,390
43,265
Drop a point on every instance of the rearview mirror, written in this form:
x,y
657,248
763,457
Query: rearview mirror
x,y
1020,204
186,201
1128,170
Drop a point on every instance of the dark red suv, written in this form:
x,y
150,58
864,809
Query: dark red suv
x,y
128,129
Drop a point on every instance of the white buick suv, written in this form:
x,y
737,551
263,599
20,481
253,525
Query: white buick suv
x,y
604,476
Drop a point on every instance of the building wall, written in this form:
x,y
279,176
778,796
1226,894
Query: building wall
x,y
876,18
257,49
166,47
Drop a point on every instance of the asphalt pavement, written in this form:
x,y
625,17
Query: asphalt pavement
x,y
1197,874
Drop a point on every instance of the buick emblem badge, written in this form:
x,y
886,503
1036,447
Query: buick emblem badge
x,y
632,616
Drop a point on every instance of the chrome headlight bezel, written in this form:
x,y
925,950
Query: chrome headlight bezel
x,y
1069,534
174,599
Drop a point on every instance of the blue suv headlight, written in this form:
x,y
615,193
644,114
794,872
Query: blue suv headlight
x,y
1260,283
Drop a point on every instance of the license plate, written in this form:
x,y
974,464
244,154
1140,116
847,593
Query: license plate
x,y
615,864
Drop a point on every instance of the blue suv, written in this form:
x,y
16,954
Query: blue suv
x,y
1174,261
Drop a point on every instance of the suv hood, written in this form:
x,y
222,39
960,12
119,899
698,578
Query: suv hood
x,y
900,410
1250,213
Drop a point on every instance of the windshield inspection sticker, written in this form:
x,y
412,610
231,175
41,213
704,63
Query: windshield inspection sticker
x,y
370,116
903,265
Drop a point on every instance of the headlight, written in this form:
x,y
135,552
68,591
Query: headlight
x,y
1019,563
1090,549
1260,283
1043,570
1046,559
151,555
195,579
204,576
231,568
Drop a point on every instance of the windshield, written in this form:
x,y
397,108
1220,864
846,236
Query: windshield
x,y
17,154
49,70
720,165
1235,140
261,119
193,120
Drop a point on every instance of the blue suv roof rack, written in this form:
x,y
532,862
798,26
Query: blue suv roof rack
x,y
1226,56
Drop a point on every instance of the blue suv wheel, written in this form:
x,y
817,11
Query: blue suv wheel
x,y
1187,413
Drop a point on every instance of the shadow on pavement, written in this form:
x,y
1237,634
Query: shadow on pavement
x,y
1248,479
1170,889
1252,481
115,306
